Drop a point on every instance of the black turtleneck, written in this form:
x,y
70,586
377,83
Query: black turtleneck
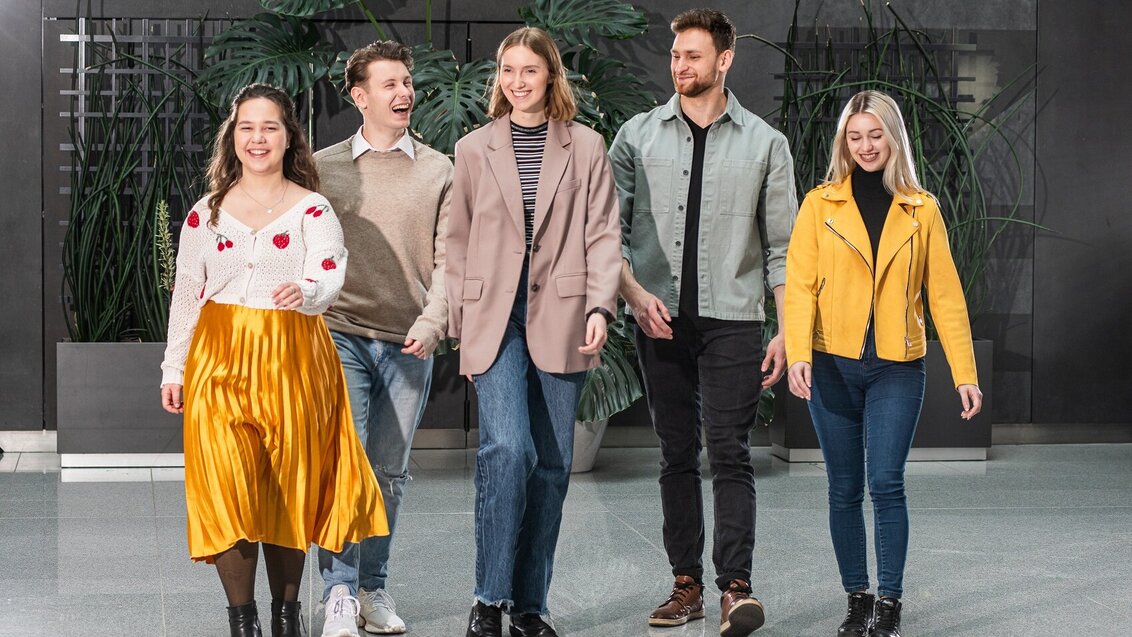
x,y
873,201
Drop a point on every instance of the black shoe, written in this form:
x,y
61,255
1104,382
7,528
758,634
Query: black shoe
x,y
286,619
886,618
859,617
244,621
485,621
530,625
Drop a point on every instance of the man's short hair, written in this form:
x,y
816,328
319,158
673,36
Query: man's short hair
x,y
357,67
714,22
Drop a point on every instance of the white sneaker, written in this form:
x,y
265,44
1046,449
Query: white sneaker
x,y
342,610
379,613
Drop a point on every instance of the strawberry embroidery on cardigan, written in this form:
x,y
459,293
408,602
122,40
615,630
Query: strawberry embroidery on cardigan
x,y
193,219
282,240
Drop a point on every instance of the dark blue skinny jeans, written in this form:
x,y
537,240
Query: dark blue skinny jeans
x,y
879,401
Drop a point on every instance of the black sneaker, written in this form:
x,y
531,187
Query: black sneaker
x,y
886,618
530,625
859,617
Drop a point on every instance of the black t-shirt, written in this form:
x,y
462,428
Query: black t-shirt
x,y
689,272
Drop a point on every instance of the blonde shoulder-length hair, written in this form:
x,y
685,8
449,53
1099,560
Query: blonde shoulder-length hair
x,y
900,171
560,102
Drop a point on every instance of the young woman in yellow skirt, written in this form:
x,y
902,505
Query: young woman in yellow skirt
x,y
271,455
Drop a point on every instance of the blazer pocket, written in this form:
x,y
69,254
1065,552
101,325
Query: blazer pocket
x,y
473,289
571,284
569,184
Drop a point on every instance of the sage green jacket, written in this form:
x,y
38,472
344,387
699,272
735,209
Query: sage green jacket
x,y
747,208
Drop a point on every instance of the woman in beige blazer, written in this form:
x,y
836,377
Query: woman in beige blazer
x,y
533,257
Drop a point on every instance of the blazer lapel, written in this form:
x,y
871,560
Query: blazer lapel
x,y
555,157
501,157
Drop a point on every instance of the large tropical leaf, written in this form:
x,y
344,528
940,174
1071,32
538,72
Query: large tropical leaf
x,y
609,94
573,21
280,50
303,8
450,97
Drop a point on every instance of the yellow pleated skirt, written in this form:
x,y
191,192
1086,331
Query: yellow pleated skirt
x,y
271,454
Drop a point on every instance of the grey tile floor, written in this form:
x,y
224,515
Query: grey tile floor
x,y
1036,541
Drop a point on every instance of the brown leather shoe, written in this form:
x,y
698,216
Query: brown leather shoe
x,y
740,614
686,602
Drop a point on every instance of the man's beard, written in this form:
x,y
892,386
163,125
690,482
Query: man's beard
x,y
695,89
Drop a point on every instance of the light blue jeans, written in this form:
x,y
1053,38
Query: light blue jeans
x,y
388,391
526,419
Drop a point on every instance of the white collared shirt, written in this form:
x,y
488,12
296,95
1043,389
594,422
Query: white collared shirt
x,y
361,146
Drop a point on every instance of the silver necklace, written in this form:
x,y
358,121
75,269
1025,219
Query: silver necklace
x,y
270,208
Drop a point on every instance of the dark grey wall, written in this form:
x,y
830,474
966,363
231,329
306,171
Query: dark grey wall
x,y
1058,301
1083,274
21,259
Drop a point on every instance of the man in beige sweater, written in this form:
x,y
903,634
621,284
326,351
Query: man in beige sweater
x,y
391,194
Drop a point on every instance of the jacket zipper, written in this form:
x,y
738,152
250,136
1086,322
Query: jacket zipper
x,y
907,293
820,288
872,301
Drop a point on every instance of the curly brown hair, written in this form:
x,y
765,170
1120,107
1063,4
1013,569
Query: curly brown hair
x,y
720,27
224,168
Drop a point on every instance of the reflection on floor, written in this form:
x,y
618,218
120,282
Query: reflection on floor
x,y
1037,541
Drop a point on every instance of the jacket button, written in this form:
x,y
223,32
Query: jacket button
x,y
685,172
535,287
915,224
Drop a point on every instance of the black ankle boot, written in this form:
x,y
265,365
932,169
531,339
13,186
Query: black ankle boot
x,y
530,625
886,618
286,619
244,621
485,621
859,617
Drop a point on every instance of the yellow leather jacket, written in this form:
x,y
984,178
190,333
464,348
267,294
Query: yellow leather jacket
x,y
834,283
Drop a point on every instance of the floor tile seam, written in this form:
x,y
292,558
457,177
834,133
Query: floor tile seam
x,y
1109,608
638,533
1023,508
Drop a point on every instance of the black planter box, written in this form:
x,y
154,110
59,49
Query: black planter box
x,y
940,435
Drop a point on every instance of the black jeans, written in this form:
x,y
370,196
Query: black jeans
x,y
708,373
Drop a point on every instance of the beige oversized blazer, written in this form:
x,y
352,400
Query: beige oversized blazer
x,y
575,261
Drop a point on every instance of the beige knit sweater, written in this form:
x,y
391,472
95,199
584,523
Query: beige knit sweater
x,y
394,215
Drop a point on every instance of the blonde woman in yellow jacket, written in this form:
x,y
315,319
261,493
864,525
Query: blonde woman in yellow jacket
x,y
865,246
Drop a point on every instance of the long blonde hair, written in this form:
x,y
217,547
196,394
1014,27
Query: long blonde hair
x,y
900,171
560,102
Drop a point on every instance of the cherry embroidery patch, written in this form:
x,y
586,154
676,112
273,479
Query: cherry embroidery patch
x,y
193,219
222,242
329,264
315,211
281,240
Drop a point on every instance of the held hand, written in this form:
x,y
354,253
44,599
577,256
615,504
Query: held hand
x,y
776,354
972,399
416,348
651,315
595,334
288,296
171,399
800,380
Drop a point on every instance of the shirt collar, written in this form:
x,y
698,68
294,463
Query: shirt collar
x,y
359,145
733,112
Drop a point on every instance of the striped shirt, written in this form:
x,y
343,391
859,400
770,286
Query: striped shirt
x,y
529,144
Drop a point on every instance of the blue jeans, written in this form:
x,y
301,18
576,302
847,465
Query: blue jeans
x,y
388,391
522,470
878,400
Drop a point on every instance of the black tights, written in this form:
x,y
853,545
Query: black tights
x,y
237,567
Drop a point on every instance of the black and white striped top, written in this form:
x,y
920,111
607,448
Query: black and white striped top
x,y
529,144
